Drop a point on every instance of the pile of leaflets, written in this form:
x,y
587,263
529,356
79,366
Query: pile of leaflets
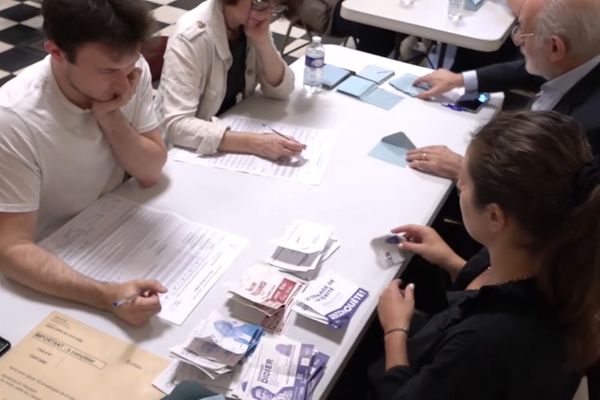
x,y
218,344
304,247
330,300
280,368
269,291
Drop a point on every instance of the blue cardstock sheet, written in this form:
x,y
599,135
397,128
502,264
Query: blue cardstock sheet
x,y
390,154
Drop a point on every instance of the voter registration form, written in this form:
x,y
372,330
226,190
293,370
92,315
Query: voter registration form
x,y
309,168
115,240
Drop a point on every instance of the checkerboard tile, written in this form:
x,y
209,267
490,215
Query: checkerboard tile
x,y
22,42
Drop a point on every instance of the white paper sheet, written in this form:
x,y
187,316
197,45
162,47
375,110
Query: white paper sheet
x,y
302,247
318,147
115,240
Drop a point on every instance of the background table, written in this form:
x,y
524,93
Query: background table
x,y
483,30
360,196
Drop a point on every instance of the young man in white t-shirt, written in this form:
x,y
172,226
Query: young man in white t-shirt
x,y
71,126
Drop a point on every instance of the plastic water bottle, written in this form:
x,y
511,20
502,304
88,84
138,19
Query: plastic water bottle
x,y
313,68
455,8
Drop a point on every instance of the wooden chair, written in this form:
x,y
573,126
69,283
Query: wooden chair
x,y
153,52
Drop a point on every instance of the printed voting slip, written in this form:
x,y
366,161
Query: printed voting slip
x,y
405,83
392,149
331,300
369,92
376,73
302,246
266,289
387,252
282,368
333,76
63,358
217,344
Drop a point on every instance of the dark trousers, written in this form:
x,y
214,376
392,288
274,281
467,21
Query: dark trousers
x,y
369,38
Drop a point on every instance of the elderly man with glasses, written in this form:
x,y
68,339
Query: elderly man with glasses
x,y
560,42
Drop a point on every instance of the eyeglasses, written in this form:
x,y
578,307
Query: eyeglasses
x,y
517,36
264,5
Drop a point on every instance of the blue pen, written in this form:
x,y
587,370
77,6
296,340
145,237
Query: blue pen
x,y
129,299
453,106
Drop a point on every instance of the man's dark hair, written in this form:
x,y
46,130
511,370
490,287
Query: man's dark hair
x,y
120,24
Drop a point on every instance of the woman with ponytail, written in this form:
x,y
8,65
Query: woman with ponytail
x,y
523,322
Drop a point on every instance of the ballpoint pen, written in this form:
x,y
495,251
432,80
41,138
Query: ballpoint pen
x,y
128,299
283,136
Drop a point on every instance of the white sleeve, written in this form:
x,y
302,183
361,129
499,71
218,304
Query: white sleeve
x,y
20,175
144,118
182,84
471,83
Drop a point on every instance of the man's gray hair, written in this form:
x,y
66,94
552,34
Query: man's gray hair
x,y
577,22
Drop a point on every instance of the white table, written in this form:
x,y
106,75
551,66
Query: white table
x,y
361,196
483,30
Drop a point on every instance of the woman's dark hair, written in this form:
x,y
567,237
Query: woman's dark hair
x,y
537,166
120,24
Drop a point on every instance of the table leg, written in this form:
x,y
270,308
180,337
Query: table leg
x,y
442,55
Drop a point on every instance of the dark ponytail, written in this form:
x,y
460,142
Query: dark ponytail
x,y
538,167
571,276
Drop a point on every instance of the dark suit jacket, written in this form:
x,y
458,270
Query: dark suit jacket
x,y
581,102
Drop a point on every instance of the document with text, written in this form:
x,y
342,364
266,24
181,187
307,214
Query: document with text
x,y
64,359
308,168
115,240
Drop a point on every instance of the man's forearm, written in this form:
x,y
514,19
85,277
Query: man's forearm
x,y
140,156
34,267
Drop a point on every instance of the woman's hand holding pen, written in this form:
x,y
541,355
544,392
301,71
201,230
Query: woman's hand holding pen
x,y
135,301
275,146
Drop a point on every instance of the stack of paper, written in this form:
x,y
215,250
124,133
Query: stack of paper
x,y
282,368
331,300
304,246
269,291
218,344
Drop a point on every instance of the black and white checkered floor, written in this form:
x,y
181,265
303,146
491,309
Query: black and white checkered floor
x,y
21,40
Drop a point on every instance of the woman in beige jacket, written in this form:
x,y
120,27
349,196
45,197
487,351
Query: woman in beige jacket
x,y
217,54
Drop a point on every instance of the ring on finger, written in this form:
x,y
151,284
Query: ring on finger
x,y
424,156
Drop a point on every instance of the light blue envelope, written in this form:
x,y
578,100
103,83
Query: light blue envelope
x,y
355,86
376,73
405,82
333,75
473,5
382,98
390,154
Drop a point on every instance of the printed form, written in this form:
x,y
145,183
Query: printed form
x,y
115,240
309,169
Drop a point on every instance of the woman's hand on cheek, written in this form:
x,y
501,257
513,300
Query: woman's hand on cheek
x,y
257,26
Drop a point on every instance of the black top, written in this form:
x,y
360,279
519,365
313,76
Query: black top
x,y
496,343
581,102
236,75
